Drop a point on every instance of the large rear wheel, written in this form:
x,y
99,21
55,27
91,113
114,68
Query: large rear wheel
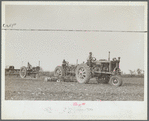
x,y
23,72
83,73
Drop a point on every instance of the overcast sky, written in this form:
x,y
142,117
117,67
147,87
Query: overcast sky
x,y
51,47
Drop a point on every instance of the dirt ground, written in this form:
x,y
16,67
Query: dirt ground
x,y
38,89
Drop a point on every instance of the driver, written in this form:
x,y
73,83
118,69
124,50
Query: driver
x,y
29,66
64,63
91,58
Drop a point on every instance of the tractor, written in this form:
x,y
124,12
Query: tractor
x,y
10,70
29,70
105,71
65,71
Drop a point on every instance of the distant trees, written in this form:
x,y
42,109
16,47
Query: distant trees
x,y
132,72
138,72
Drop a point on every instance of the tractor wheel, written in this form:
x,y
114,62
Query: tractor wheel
x,y
116,81
104,79
23,72
83,73
59,71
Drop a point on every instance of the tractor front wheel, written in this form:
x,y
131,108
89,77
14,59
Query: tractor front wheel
x,y
116,81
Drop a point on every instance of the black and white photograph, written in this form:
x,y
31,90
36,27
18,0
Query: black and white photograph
x,y
74,60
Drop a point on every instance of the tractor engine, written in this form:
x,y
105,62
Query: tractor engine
x,y
98,67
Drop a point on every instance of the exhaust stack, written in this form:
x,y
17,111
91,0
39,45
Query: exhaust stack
x,y
39,63
109,56
77,62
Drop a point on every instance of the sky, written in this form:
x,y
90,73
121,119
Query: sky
x,y
51,47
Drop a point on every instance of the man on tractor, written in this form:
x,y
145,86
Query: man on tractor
x,y
29,66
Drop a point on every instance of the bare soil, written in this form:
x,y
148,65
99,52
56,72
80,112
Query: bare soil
x,y
38,89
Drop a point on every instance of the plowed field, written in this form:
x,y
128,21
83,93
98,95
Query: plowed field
x,y
38,89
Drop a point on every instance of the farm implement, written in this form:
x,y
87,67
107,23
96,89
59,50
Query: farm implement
x,y
10,70
29,71
105,71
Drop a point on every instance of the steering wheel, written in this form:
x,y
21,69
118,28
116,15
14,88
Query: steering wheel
x,y
93,59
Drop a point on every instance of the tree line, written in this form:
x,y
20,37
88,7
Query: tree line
x,y
134,73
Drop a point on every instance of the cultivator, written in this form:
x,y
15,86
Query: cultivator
x,y
65,71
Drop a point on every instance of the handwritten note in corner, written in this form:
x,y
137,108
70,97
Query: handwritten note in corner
x,y
9,25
